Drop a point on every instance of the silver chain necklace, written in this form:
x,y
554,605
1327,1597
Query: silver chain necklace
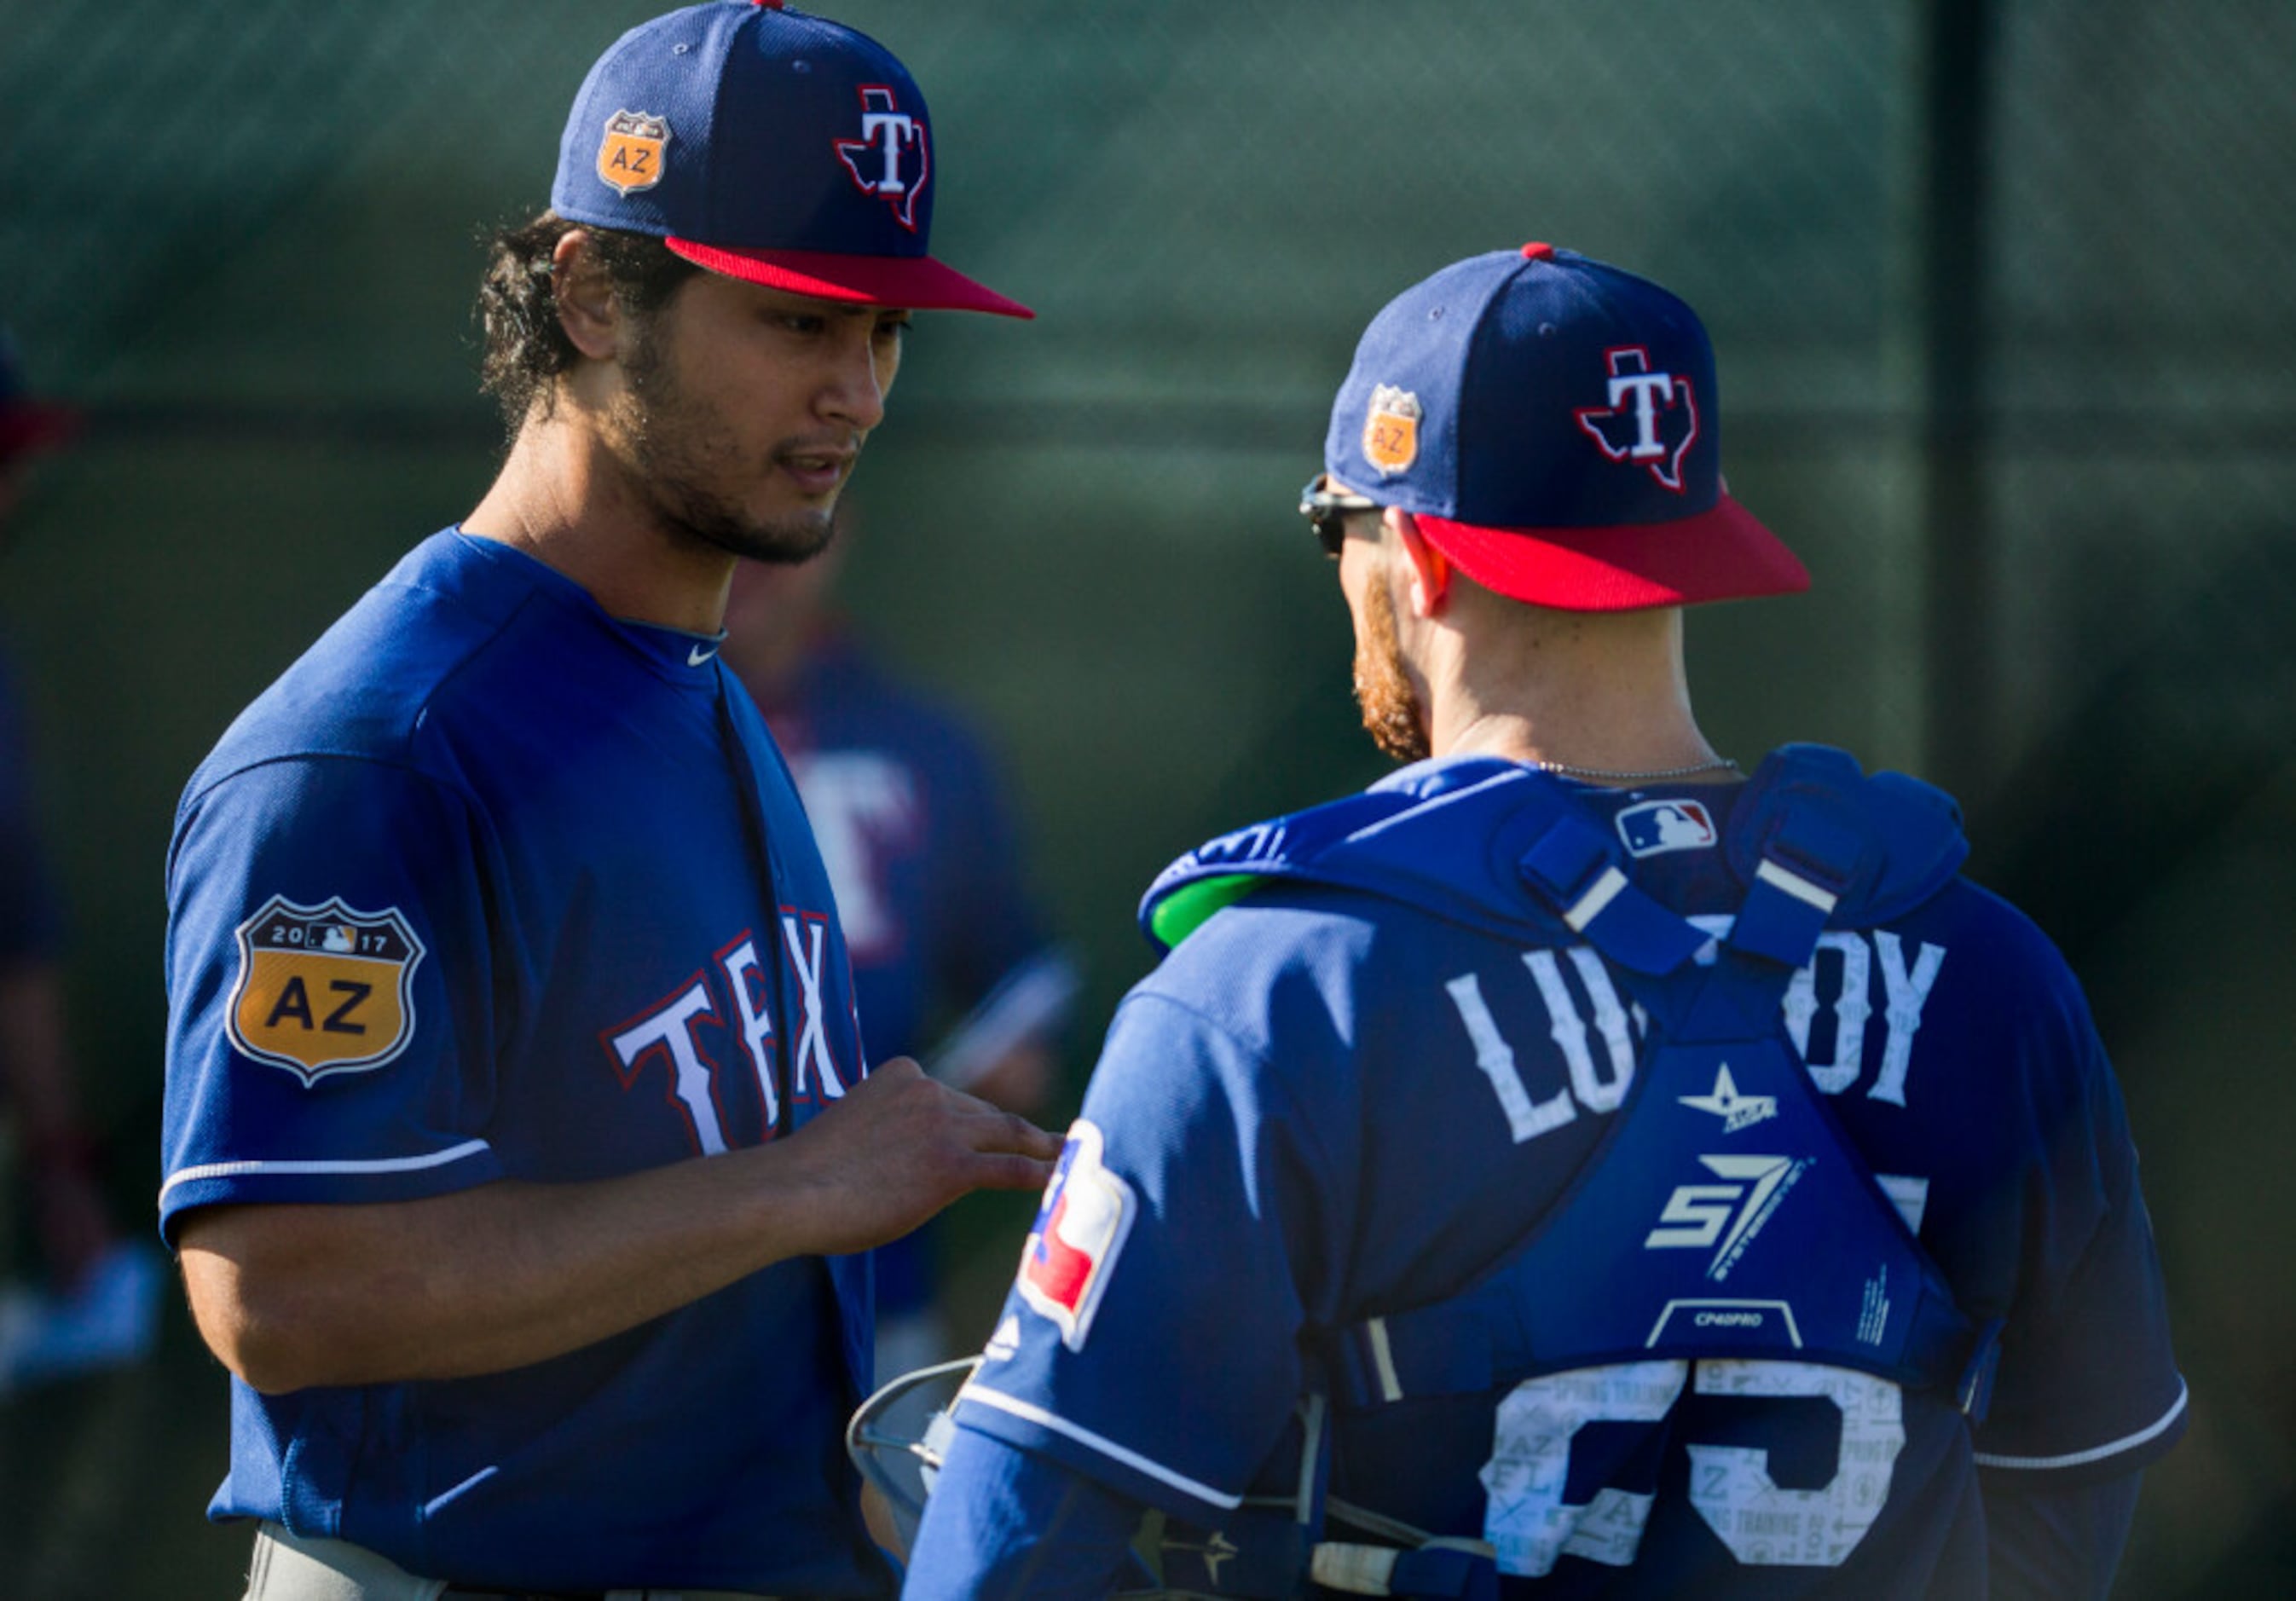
x,y
1718,764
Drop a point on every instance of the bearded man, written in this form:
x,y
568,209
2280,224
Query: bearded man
x,y
1571,1168
520,1150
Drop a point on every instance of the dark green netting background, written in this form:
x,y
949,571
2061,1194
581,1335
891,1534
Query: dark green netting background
x,y
2002,297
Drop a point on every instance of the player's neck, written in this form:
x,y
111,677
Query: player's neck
x,y
564,498
1594,692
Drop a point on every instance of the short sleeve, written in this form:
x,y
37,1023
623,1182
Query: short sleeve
x,y
1011,1523
2088,1386
1150,1342
329,991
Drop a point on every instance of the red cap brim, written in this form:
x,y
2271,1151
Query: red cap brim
x,y
1724,553
911,282
25,427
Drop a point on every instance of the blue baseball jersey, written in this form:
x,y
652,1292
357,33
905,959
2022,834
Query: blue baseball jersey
x,y
493,885
1328,1106
31,912
921,851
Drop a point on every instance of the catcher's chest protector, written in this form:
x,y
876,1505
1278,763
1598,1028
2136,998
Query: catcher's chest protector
x,y
1724,1144
1721,1129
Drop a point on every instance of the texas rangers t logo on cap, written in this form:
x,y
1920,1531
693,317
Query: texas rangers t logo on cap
x,y
877,159
1652,418
629,158
1079,1229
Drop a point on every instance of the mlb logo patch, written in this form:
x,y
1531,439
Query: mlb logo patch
x,y
1661,825
1079,1230
324,990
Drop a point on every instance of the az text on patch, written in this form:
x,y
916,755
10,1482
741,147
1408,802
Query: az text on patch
x,y
1390,436
324,990
630,155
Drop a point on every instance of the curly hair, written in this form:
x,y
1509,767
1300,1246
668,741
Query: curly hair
x,y
526,347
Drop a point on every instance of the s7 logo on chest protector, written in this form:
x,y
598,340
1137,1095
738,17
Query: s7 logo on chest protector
x,y
1697,1215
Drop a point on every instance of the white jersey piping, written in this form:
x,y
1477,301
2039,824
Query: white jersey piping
x,y
389,1164
1134,1460
2126,1442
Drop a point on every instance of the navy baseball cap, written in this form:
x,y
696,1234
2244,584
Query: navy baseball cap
x,y
1552,424
27,424
768,145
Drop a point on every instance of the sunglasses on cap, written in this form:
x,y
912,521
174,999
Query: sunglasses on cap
x,y
1327,510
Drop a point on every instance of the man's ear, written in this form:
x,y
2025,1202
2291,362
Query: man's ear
x,y
587,307
1430,568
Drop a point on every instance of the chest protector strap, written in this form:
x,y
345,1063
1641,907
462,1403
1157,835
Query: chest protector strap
x,y
1730,1214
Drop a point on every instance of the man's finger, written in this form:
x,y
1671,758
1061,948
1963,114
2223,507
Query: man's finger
x,y
1012,1172
1010,1131
894,1069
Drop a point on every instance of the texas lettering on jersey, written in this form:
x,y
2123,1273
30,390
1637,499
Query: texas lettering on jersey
x,y
728,1003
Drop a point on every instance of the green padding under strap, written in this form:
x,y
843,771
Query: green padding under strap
x,y
1185,910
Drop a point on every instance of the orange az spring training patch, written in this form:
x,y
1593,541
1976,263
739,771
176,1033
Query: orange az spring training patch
x,y
630,156
324,990
1391,437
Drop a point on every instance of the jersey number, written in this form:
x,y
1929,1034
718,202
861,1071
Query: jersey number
x,y
1530,1523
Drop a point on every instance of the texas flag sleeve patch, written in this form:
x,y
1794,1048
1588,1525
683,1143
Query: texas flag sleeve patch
x,y
1079,1230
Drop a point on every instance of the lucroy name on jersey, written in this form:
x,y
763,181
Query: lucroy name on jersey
x,y
1579,1004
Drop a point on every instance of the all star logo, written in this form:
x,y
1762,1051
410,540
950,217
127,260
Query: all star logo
x,y
1212,1552
1651,420
1736,1110
892,159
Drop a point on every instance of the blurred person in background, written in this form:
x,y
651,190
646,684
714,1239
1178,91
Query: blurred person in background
x,y
51,1326
950,962
518,1146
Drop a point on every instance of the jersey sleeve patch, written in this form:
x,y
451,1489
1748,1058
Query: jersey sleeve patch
x,y
325,988
1078,1233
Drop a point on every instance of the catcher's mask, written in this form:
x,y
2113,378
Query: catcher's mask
x,y
898,1436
